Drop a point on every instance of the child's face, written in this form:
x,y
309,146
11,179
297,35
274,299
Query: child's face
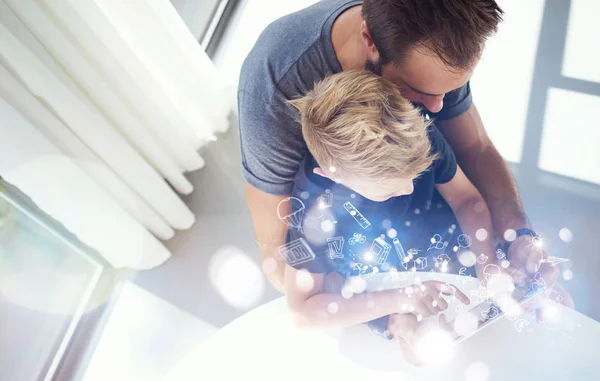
x,y
377,191
381,190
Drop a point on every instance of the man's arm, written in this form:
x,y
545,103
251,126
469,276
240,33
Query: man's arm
x,y
486,168
270,232
472,214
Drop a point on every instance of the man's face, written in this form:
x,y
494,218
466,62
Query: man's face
x,y
423,78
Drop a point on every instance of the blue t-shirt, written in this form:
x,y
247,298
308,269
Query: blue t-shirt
x,y
333,228
290,56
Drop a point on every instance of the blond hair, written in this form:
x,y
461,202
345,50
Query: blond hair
x,y
357,125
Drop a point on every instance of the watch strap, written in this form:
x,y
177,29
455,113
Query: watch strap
x,y
379,327
520,232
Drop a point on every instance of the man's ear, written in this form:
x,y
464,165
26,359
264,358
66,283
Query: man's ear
x,y
320,172
368,41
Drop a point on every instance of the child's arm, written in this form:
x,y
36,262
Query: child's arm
x,y
472,214
311,307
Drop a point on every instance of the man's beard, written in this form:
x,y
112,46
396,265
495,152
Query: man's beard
x,y
374,67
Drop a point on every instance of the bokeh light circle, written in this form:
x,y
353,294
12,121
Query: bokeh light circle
x,y
478,371
510,235
269,265
565,235
467,258
481,234
236,277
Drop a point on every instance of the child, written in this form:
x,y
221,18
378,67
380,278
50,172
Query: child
x,y
365,202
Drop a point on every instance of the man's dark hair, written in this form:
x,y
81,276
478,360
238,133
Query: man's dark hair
x,y
455,30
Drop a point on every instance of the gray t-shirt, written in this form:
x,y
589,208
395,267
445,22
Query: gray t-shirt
x,y
290,56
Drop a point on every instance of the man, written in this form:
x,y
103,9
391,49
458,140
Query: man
x,y
428,48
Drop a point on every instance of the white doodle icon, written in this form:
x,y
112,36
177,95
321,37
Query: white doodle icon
x,y
412,252
463,277
404,261
479,295
521,324
380,250
500,254
297,208
448,292
537,242
464,241
364,270
296,252
399,250
538,281
441,262
325,200
358,217
554,295
436,243
555,260
491,270
357,238
482,258
420,263
491,313
336,246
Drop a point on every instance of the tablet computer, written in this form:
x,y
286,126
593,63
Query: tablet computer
x,y
488,312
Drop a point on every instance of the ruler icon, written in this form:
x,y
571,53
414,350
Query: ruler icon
x,y
358,217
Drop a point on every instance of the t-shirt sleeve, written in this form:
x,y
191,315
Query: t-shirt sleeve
x,y
444,167
271,144
455,103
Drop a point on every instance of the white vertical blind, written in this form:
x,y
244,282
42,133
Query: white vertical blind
x,y
121,92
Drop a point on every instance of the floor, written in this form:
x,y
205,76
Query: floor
x,y
535,88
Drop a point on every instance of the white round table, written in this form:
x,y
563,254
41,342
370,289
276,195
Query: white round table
x,y
265,345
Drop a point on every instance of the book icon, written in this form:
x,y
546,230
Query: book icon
x,y
380,250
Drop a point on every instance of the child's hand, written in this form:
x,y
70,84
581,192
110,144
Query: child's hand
x,y
426,299
404,328
408,331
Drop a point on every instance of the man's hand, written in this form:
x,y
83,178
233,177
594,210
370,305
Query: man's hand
x,y
528,255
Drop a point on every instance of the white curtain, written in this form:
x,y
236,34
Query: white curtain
x,y
103,105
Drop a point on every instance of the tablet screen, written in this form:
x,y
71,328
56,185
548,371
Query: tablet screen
x,y
488,312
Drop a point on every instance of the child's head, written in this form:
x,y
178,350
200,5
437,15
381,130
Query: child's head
x,y
364,134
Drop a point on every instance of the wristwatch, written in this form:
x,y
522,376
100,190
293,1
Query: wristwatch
x,y
520,232
379,327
